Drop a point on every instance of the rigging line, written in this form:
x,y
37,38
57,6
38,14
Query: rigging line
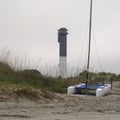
x,y
82,49
97,51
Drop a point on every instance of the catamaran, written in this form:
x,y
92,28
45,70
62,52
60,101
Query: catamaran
x,y
100,89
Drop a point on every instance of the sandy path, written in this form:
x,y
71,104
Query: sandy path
x,y
80,116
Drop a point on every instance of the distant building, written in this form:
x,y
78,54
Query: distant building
x,y
62,39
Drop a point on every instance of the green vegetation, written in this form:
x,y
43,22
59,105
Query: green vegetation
x,y
28,79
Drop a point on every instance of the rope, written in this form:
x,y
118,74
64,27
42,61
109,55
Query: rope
x,y
82,49
97,52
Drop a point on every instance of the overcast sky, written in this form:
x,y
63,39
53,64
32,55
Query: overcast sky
x,y
29,30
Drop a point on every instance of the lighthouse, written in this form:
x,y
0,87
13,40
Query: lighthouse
x,y
62,40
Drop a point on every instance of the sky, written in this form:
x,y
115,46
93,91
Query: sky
x,y
29,29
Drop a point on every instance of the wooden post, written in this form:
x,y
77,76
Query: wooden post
x,y
111,82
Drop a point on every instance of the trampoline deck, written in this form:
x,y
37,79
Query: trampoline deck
x,y
90,87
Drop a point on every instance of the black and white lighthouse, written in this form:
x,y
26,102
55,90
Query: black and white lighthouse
x,y
62,39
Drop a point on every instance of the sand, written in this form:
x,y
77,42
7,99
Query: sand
x,y
64,107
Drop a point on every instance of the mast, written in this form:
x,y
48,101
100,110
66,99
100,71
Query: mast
x,y
89,45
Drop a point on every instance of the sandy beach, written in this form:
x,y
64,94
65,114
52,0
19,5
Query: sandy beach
x,y
63,107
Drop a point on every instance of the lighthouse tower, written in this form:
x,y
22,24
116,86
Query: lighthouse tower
x,y
62,39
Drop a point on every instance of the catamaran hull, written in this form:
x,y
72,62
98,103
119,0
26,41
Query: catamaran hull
x,y
103,91
100,91
71,90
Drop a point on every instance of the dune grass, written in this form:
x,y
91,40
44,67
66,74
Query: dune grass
x,y
32,79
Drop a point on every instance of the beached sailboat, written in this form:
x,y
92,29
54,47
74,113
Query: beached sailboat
x,y
100,90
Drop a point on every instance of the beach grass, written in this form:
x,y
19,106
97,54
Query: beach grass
x,y
33,79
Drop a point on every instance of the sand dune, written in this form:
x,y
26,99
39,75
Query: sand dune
x,y
64,107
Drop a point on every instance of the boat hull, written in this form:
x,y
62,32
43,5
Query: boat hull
x,y
100,90
103,91
71,90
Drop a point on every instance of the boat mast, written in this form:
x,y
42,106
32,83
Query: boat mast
x,y
89,47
